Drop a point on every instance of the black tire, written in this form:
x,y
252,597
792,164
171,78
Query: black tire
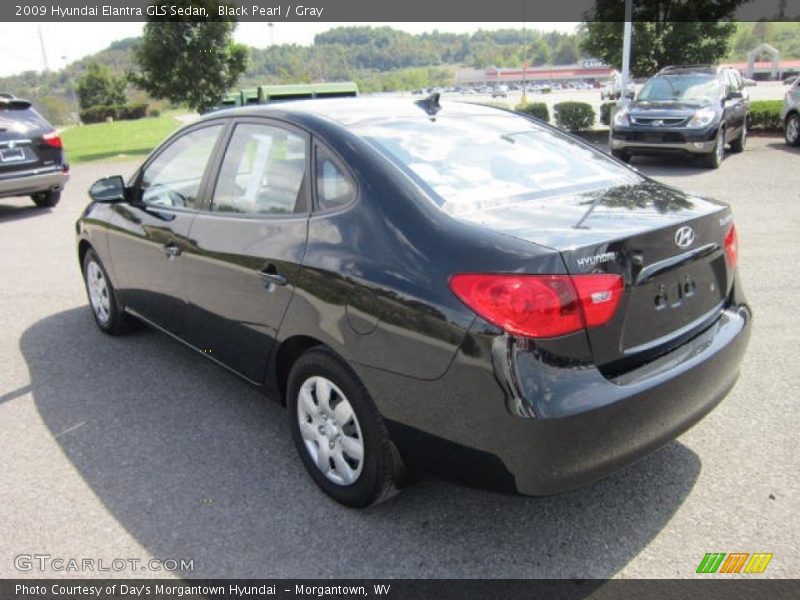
x,y
791,129
713,159
117,322
380,468
46,199
621,155
738,144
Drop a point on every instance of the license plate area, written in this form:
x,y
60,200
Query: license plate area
x,y
12,155
672,301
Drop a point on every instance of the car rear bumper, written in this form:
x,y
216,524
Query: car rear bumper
x,y
22,183
463,427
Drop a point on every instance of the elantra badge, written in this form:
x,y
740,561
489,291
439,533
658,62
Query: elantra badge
x,y
684,237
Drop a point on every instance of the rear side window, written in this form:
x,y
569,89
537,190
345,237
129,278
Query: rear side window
x,y
263,171
334,187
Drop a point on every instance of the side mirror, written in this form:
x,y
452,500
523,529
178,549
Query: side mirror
x,y
734,95
108,189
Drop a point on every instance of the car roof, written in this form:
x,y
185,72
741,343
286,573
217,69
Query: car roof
x,y
348,112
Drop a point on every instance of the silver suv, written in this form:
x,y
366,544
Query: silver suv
x,y
790,114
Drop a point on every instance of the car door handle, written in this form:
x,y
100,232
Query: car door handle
x,y
172,250
270,273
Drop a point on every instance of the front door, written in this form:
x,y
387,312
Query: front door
x,y
148,236
247,247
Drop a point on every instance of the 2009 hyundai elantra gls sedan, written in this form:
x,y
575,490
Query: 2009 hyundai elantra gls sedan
x,y
428,287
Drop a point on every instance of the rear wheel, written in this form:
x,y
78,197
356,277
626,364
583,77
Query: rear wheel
x,y
103,298
338,432
46,199
738,144
792,130
713,159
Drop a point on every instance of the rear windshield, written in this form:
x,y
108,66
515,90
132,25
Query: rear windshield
x,y
18,115
692,88
481,162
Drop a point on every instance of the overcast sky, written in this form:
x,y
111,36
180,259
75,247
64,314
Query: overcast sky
x,y
20,49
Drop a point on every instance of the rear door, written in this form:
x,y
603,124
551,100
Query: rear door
x,y
248,244
148,237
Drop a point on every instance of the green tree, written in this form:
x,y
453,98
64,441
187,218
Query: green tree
x,y
186,61
664,33
98,86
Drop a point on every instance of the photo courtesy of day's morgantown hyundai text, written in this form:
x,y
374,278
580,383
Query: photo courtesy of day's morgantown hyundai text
x,y
432,287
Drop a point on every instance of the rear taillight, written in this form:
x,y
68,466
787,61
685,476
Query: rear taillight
x,y
732,247
52,139
540,306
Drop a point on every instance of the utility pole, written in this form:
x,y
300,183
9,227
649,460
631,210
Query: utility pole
x,y
626,53
524,99
44,54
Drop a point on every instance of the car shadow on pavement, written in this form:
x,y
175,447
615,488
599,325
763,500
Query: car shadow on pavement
x,y
196,464
670,165
16,213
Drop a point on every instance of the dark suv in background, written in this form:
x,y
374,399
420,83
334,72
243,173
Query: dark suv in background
x,y
695,110
32,161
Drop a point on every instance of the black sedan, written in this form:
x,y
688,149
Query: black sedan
x,y
441,288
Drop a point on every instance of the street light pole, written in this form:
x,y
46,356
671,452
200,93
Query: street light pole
x,y
626,53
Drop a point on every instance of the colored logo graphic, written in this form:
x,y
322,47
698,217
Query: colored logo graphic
x,y
735,562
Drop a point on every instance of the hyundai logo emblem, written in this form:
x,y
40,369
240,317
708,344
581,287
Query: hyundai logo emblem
x,y
684,237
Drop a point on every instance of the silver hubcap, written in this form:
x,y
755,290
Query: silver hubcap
x,y
721,145
98,292
793,129
330,430
744,132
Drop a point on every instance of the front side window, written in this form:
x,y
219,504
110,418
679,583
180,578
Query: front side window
x,y
691,88
173,178
493,160
263,171
334,187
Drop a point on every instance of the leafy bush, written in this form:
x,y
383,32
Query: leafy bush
x,y
98,114
606,110
155,113
126,112
766,114
545,90
574,116
535,109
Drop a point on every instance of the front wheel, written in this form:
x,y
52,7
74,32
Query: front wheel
x,y
713,159
338,432
738,144
792,130
106,310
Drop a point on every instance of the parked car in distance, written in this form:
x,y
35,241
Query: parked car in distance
x,y
790,114
32,159
694,110
427,286
500,91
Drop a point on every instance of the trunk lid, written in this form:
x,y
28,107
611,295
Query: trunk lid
x,y
667,245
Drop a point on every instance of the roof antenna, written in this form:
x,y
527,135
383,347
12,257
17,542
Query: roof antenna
x,y
430,105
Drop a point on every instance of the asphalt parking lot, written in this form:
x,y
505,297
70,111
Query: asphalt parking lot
x,y
136,447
